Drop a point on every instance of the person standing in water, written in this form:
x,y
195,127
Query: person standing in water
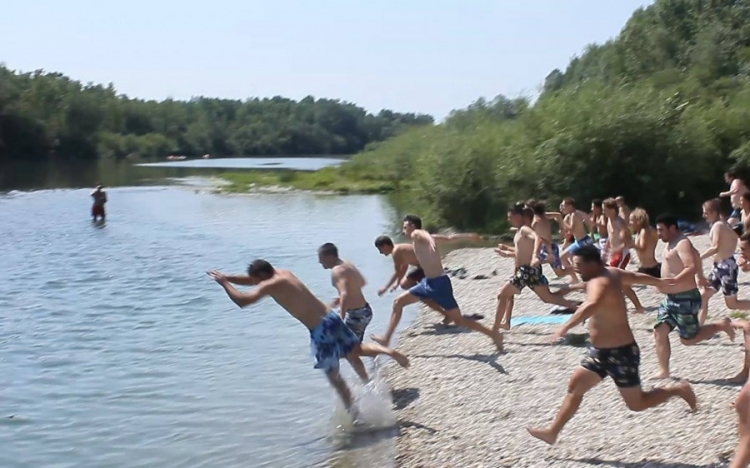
x,y
737,188
614,351
644,243
528,269
100,198
617,246
683,302
330,338
436,285
725,272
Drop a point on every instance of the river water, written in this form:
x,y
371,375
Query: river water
x,y
116,349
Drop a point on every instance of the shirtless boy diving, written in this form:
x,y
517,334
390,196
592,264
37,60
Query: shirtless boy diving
x,y
615,352
683,302
331,339
528,269
436,285
617,246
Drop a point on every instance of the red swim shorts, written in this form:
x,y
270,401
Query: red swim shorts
x,y
97,210
620,260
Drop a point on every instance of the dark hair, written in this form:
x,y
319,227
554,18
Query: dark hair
x,y
597,202
517,209
537,207
713,205
667,220
383,241
731,173
260,269
528,212
589,254
329,250
746,196
414,220
745,237
610,204
570,201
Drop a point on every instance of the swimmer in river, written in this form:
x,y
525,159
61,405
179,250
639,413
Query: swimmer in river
x,y
614,351
725,271
100,198
331,339
436,285
683,302
404,257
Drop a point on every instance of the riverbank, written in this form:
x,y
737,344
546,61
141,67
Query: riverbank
x,y
461,406
329,179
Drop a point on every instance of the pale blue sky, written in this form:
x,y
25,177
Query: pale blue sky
x,y
419,56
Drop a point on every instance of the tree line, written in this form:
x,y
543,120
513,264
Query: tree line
x,y
655,115
44,114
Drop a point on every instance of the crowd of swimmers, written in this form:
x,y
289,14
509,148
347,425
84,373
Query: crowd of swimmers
x,y
596,248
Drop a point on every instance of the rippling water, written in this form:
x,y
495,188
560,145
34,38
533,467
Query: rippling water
x,y
116,350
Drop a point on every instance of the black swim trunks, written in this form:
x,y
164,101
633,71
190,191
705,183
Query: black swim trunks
x,y
358,319
416,274
528,276
654,271
622,364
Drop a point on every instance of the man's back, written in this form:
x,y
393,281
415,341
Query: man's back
x,y
543,228
727,240
608,326
291,294
427,255
353,282
404,254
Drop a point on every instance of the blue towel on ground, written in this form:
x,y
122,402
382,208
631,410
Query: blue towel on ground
x,y
539,320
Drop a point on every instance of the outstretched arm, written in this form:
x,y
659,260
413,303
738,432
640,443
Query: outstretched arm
x,y
456,237
240,298
586,310
630,278
243,280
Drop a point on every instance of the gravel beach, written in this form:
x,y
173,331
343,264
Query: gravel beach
x,y
462,405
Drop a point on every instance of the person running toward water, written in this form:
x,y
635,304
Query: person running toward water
x,y
528,270
436,285
614,351
644,243
575,222
623,208
403,257
549,252
599,222
737,188
619,255
725,272
742,406
100,198
683,302
744,325
331,340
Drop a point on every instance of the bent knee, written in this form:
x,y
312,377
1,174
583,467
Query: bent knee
x,y
636,405
731,302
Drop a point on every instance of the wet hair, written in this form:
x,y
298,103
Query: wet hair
x,y
570,201
260,269
597,202
610,203
641,217
414,220
329,250
668,220
517,209
745,237
589,254
713,205
382,241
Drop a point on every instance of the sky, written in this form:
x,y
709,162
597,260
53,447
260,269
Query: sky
x,y
407,55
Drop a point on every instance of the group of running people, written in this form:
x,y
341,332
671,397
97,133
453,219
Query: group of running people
x,y
596,246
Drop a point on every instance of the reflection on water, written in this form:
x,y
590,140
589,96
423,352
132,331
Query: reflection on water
x,y
297,164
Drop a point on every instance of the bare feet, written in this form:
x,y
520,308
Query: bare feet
x,y
545,435
728,328
499,341
740,378
660,376
687,394
400,358
640,310
505,325
381,340
446,321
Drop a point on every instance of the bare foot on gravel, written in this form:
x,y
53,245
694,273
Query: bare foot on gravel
x,y
659,376
498,339
380,340
640,310
687,394
505,325
728,328
400,358
740,378
545,435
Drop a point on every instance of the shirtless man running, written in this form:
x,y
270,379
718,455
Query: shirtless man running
x,y
725,271
615,352
549,252
683,302
624,209
617,246
599,221
737,187
744,325
528,269
742,406
331,339
575,222
436,285
644,243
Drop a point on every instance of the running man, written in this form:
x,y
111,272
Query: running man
x,y
549,252
331,339
614,352
616,245
528,270
351,302
644,243
624,209
742,406
683,302
599,222
100,198
436,285
737,188
576,222
725,272
744,264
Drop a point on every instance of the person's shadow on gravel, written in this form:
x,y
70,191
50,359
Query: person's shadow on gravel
x,y
404,397
490,359
641,464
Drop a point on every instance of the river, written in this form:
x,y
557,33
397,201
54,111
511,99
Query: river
x,y
118,351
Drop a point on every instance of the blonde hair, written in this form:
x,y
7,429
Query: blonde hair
x,y
641,218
